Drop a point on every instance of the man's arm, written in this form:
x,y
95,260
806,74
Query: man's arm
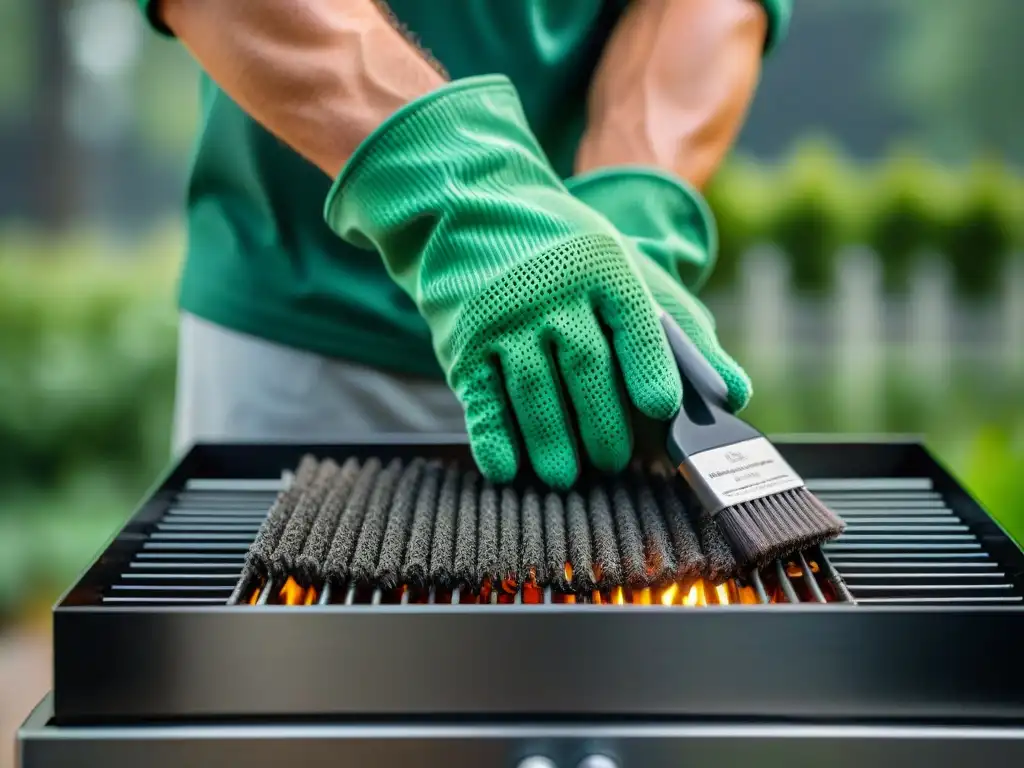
x,y
674,86
321,75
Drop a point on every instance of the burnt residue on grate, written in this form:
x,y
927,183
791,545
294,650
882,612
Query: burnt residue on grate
x,y
465,538
581,559
487,536
442,551
427,523
532,524
607,566
262,550
660,562
343,545
627,531
690,559
555,545
509,539
396,535
309,506
720,564
364,561
310,561
417,556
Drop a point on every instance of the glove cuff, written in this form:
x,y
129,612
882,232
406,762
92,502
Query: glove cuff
x,y
417,124
668,220
457,171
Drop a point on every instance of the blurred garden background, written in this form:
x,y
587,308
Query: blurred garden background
x,y
871,276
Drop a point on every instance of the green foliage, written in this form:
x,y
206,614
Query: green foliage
x,y
87,334
818,202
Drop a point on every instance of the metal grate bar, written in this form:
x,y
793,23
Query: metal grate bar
x,y
156,566
230,577
196,546
201,537
906,546
809,580
212,557
235,486
943,600
955,577
164,600
913,521
912,556
852,566
241,588
785,583
886,496
864,484
759,590
209,527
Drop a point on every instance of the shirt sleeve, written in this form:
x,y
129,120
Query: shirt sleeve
x,y
151,10
779,13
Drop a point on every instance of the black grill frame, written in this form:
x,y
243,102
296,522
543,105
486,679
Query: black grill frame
x,y
809,662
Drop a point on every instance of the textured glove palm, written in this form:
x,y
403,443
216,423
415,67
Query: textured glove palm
x,y
674,240
515,278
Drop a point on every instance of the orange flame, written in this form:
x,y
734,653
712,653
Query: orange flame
x,y
255,596
642,597
294,594
696,595
669,595
722,590
618,597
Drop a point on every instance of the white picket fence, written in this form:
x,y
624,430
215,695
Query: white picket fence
x,y
858,335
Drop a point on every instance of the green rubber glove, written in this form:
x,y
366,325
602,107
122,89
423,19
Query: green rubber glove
x,y
675,242
515,278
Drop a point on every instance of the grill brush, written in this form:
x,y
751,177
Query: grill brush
x,y
736,474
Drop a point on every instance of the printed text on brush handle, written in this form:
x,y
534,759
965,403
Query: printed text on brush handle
x,y
738,473
694,366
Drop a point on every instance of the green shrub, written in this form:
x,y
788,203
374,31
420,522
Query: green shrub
x,y
87,344
910,200
817,202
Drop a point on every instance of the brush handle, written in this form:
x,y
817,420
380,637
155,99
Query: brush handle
x,y
705,421
694,366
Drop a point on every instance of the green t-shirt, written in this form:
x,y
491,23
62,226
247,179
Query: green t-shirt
x,y
260,258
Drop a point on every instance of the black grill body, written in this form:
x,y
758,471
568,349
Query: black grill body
x,y
920,667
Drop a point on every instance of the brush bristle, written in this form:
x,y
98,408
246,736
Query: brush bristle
x,y
779,525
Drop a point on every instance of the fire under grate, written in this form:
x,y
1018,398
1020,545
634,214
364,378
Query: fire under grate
x,y
904,545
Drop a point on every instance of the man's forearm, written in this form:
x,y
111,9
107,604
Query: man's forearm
x,y
321,75
674,86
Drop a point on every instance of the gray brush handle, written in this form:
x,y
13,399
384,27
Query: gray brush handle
x,y
694,366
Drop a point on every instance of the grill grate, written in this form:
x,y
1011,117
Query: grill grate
x,y
195,553
904,545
